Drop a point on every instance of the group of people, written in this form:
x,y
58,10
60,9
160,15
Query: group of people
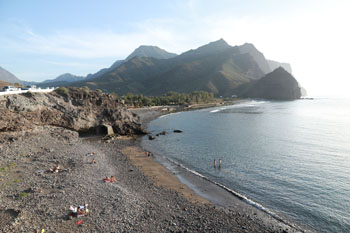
x,y
219,163
91,153
55,170
79,210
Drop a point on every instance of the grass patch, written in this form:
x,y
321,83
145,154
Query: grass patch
x,y
16,181
6,169
23,195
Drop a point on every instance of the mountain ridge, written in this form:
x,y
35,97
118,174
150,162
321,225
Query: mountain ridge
x,y
150,51
157,76
215,67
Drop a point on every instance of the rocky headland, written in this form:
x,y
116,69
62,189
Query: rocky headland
x,y
39,132
277,85
76,109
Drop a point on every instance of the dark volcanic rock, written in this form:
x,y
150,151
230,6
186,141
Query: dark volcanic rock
x,y
177,131
277,85
76,109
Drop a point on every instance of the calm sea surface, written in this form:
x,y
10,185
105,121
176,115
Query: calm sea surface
x,y
291,157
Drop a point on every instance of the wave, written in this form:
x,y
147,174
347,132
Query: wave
x,y
251,103
233,192
218,110
165,115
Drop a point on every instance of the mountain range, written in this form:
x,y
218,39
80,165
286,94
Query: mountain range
x,y
215,67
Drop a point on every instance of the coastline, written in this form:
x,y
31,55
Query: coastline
x,y
146,197
204,188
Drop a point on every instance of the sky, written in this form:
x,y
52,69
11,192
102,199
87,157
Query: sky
x,y
42,39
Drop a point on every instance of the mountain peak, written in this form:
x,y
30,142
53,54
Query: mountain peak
x,y
257,55
8,77
210,48
218,44
280,71
66,77
278,85
151,51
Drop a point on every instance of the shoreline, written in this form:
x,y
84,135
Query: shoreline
x,y
147,197
212,191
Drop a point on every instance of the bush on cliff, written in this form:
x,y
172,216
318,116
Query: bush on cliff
x,y
62,91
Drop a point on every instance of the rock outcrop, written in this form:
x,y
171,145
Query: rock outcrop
x,y
277,85
76,109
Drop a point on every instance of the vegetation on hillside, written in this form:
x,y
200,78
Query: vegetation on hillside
x,y
197,97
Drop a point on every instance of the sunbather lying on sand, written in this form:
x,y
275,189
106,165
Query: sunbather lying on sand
x,y
110,180
79,211
56,169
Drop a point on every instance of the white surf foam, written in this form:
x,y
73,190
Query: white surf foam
x,y
233,192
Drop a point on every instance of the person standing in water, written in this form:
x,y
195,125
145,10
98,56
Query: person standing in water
x,y
214,163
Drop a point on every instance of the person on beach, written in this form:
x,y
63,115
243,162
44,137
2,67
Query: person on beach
x,y
148,154
93,161
113,179
110,180
219,163
214,163
57,168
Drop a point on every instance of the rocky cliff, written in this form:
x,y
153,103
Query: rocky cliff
x,y
76,109
277,85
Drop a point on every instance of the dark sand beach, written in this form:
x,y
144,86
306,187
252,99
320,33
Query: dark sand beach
x,y
147,197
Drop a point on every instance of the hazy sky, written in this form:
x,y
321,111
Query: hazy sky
x,y
42,39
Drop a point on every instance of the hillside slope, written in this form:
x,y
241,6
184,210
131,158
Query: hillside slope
x,y
277,85
6,76
216,67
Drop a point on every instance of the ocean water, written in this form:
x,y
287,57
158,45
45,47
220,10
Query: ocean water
x,y
291,157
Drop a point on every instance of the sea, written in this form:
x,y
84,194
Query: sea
x,y
291,157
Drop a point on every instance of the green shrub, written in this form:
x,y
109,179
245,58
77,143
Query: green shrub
x,y
62,91
23,194
86,89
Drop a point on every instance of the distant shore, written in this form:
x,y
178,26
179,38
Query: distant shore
x,y
148,114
